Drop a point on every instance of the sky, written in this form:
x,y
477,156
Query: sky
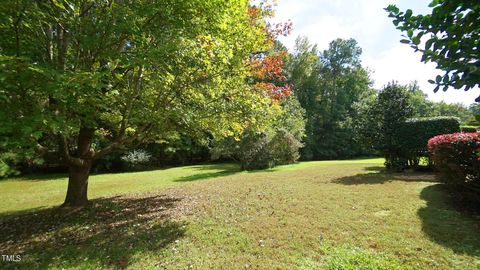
x,y
366,21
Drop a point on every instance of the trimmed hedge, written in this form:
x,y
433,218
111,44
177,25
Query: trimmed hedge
x,y
468,129
414,134
456,158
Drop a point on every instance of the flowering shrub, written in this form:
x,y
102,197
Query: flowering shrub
x,y
456,158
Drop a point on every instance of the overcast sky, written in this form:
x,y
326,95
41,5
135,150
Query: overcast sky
x,y
365,20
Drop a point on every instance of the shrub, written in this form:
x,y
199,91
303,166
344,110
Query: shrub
x,y
137,160
110,163
392,108
254,153
456,158
284,148
262,151
6,169
263,148
7,164
414,134
468,129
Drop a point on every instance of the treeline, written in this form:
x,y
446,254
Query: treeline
x,y
336,92
332,113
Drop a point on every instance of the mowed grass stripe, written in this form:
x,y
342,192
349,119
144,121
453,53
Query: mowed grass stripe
x,y
22,193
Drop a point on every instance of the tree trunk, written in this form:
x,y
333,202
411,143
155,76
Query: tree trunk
x,y
77,185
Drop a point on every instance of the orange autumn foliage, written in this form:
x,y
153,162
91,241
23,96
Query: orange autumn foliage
x,y
270,75
268,71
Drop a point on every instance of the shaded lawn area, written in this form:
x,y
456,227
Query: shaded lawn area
x,y
312,215
107,235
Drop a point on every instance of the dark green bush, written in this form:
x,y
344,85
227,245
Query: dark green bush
x,y
256,151
415,133
253,152
392,108
7,165
263,151
278,144
468,129
284,148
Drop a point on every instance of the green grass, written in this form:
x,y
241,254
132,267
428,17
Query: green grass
x,y
353,258
311,215
49,190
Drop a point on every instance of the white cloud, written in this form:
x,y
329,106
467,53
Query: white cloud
x,y
401,64
325,20
327,28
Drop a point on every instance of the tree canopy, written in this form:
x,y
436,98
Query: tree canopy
x,y
87,77
327,85
452,40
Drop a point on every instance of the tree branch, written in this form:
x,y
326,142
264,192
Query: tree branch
x,y
120,141
65,152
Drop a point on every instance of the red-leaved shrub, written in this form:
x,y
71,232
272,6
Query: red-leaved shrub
x,y
456,158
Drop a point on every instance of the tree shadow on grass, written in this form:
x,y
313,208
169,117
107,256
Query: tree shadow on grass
x,y
459,231
203,176
376,169
234,167
385,177
224,170
107,235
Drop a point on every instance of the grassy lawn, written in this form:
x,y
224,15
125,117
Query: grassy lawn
x,y
311,215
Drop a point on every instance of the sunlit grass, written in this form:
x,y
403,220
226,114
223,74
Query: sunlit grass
x,y
49,190
311,215
21,193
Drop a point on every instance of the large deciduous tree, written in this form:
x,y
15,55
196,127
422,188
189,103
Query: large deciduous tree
x,y
328,84
88,77
452,33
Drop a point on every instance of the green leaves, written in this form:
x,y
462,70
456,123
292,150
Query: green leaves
x,y
434,3
417,39
59,4
157,66
454,31
428,44
410,33
329,85
393,10
408,14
